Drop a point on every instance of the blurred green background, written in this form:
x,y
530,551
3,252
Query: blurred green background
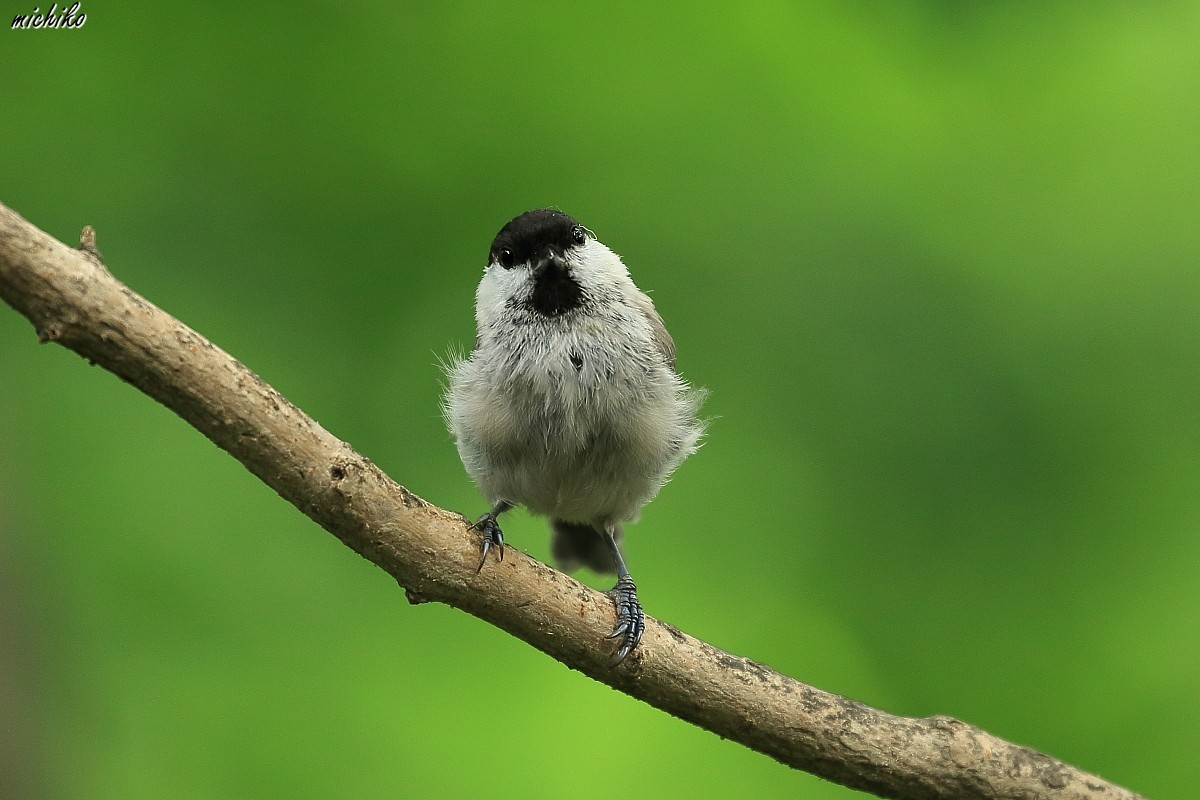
x,y
936,263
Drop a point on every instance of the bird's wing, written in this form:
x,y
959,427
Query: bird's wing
x,y
658,331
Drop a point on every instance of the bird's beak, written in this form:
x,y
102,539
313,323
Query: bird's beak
x,y
548,259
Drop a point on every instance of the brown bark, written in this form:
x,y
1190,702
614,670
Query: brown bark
x,y
72,299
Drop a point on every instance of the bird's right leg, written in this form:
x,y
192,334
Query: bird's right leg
x,y
490,529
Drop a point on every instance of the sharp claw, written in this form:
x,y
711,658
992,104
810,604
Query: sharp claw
x,y
631,623
492,536
487,545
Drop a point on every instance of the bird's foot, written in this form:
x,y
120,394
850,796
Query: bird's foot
x,y
631,622
492,537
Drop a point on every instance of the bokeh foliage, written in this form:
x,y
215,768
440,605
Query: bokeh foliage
x,y
936,262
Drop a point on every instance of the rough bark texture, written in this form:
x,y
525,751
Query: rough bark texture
x,y
72,299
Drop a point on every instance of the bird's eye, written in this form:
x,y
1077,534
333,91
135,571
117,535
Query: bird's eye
x,y
506,258
579,234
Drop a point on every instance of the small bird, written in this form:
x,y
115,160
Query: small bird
x,y
569,403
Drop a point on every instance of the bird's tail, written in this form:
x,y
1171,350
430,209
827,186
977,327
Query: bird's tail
x,y
576,544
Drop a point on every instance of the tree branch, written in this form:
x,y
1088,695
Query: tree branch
x,y
72,299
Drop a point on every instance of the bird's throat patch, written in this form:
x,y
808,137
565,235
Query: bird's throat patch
x,y
556,292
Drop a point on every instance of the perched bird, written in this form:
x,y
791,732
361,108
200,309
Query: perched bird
x,y
569,403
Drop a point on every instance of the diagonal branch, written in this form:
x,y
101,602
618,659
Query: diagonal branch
x,y
72,299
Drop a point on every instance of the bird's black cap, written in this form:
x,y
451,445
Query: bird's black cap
x,y
526,234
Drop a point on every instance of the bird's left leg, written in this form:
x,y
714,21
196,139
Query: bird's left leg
x,y
631,622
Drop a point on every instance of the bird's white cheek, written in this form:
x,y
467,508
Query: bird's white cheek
x,y
597,268
497,288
